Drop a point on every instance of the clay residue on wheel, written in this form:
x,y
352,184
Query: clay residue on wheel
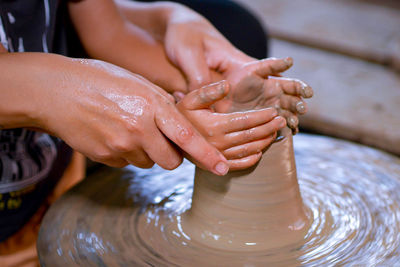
x,y
137,217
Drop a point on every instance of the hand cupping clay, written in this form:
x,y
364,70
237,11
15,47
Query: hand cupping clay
x,y
349,214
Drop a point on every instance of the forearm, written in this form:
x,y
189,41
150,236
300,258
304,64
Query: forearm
x,y
152,17
156,17
122,43
26,82
138,52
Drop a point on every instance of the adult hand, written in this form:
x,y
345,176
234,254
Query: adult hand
x,y
192,43
205,56
105,112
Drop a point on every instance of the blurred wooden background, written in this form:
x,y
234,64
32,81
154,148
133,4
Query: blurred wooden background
x,y
349,52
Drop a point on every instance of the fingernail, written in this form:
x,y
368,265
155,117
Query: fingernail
x,y
282,121
293,122
218,84
222,168
288,61
300,107
274,113
221,86
307,91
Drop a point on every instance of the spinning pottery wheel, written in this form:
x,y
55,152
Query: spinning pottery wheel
x,y
348,212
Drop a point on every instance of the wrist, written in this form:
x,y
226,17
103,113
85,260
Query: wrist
x,y
17,100
27,80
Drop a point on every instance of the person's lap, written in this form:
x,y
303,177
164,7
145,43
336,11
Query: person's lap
x,y
19,250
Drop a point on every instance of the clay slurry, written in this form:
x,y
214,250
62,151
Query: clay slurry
x,y
251,210
136,217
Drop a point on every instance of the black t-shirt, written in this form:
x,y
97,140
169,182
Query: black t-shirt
x,y
31,163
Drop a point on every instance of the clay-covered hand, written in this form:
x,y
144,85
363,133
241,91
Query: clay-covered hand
x,y
116,117
204,55
254,86
240,136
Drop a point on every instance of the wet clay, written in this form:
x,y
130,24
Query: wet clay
x,y
135,217
255,209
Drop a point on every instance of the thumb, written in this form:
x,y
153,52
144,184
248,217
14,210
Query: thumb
x,y
205,96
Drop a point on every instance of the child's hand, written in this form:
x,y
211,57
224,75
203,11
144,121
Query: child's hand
x,y
240,136
253,87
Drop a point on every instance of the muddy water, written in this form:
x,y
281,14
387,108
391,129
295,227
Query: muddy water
x,y
135,217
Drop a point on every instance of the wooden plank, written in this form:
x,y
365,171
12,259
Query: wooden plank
x,y
365,29
354,99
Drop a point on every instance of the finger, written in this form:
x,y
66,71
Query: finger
x,y
175,126
205,96
138,158
162,152
193,64
291,120
269,66
293,87
272,88
116,163
158,89
248,149
247,119
244,163
103,155
293,104
256,133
